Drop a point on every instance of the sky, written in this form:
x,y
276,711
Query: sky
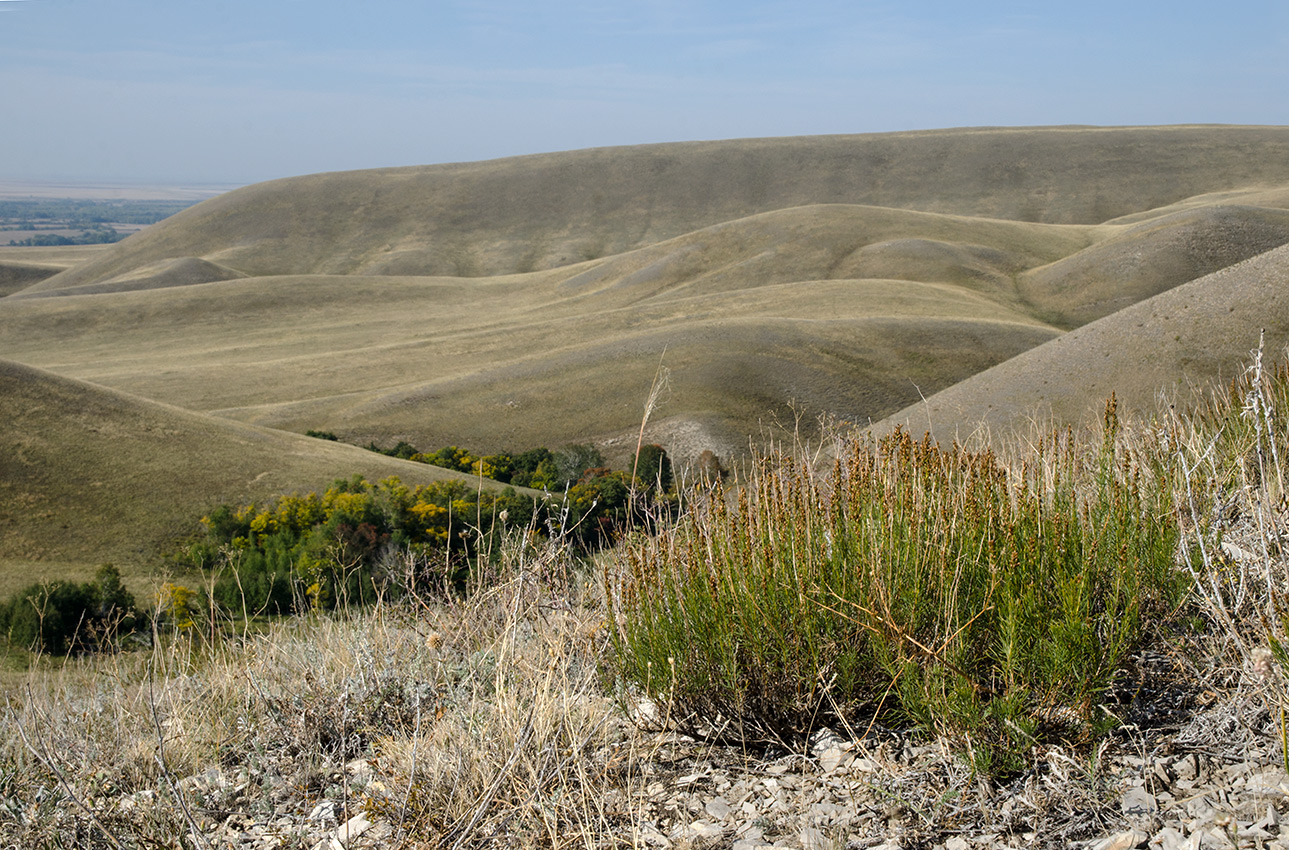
x,y
237,91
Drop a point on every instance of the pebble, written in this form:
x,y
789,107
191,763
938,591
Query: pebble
x,y
838,793
1138,803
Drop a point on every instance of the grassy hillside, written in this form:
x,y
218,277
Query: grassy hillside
x,y
1191,334
550,210
89,475
1151,257
753,315
23,268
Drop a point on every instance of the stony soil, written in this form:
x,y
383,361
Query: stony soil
x,y
1216,780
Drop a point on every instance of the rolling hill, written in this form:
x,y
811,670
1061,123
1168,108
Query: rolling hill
x,y
530,301
1158,349
23,268
91,475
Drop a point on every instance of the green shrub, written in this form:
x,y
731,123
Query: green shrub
x,y
913,581
63,617
334,549
524,467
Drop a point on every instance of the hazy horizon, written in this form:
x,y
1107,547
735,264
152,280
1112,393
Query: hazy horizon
x,y
137,91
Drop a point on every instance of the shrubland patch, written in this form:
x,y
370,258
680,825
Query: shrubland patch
x,y
358,540
65,617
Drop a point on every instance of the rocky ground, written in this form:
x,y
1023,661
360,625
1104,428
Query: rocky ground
x,y
1217,780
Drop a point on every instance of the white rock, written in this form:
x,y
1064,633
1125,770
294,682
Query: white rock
x,y
651,836
647,713
1138,802
324,811
1186,768
1121,841
346,833
718,808
707,829
1169,839
824,739
1268,781
956,843
827,811
833,758
352,828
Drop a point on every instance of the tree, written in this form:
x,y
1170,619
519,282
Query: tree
x,y
653,468
62,617
573,460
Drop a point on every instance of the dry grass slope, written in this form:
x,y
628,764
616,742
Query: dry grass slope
x,y
24,268
1152,257
89,474
753,315
1192,334
544,211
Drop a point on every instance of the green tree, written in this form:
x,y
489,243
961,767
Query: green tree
x,y
653,468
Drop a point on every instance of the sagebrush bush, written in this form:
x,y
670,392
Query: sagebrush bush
x,y
911,580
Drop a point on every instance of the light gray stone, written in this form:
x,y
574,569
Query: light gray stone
x,y
707,829
1169,839
1122,841
651,836
814,839
1138,804
1186,768
719,808
833,758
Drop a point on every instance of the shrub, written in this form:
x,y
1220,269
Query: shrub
x,y
913,580
571,462
63,617
331,550
524,468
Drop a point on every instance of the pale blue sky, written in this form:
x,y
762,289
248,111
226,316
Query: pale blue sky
x,y
234,91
